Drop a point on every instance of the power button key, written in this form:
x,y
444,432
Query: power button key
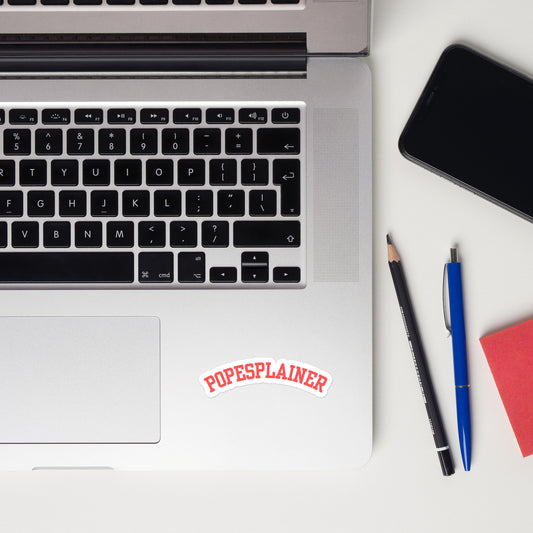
x,y
286,115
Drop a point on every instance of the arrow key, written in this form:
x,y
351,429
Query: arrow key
x,y
287,274
254,267
222,274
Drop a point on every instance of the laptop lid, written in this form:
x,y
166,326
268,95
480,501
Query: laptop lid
x,y
324,26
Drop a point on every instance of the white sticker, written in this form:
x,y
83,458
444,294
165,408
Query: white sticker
x,y
266,370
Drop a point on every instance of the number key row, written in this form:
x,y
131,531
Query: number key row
x,y
144,141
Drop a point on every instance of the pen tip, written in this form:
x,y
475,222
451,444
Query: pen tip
x,y
389,241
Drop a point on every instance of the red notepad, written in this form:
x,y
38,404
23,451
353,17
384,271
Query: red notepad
x,y
510,356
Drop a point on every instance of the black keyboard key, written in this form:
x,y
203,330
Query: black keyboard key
x,y
253,116
207,141
2,116
121,116
23,116
254,267
25,234
199,203
55,116
96,172
238,141
220,116
7,173
66,267
278,141
55,2
160,172
191,267
88,234
128,172
191,172
11,203
80,142
230,203
154,2
254,259
152,234
104,203
261,233
120,2
64,172
287,275
175,141
223,172
88,116
222,274
41,203
112,142
32,172
287,115
119,234
262,203
56,234
17,142
156,267
154,116
143,141
187,116
215,234
183,234
22,2
254,275
167,203
286,174
72,203
49,142
88,2
135,203
254,172
3,234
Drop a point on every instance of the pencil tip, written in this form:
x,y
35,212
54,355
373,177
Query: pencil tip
x,y
388,239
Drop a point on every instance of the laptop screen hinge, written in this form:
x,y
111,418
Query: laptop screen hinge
x,y
152,54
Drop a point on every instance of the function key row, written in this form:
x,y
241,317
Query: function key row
x,y
151,116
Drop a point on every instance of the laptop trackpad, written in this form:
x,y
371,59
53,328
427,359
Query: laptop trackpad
x,y
79,379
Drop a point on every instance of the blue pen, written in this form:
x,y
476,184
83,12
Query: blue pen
x,y
456,326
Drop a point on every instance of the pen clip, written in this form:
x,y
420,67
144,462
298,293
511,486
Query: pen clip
x,y
446,300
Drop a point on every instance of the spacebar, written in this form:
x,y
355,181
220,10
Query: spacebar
x,y
66,267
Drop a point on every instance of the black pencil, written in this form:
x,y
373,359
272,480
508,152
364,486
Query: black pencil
x,y
419,358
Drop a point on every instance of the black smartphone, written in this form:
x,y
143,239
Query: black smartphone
x,y
473,124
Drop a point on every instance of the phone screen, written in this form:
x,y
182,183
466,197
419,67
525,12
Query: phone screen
x,y
474,125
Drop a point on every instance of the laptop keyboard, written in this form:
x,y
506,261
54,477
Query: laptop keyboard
x,y
140,3
163,195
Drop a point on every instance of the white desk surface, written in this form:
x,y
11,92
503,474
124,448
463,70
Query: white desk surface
x,y
401,489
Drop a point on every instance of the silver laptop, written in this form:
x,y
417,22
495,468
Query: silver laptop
x,y
185,235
